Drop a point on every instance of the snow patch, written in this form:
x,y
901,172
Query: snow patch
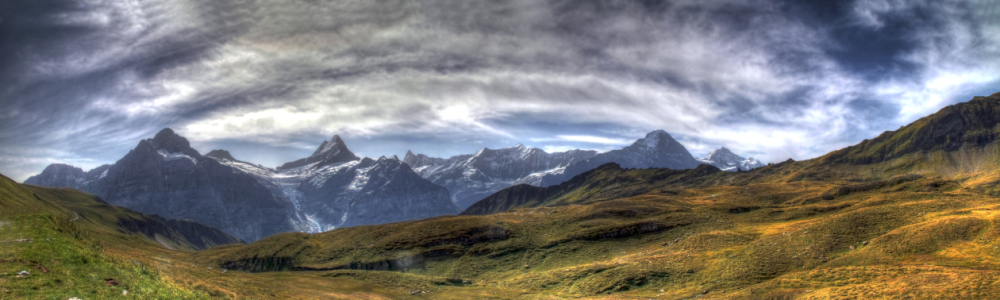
x,y
316,227
169,156
360,179
535,179
321,175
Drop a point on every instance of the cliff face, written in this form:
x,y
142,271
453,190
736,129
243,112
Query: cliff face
x,y
166,177
371,191
58,176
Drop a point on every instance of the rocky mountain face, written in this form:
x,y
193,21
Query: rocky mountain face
x,y
166,177
329,189
471,178
334,188
58,176
330,152
728,161
657,150
368,191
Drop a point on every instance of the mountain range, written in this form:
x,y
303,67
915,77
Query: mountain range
x,y
335,188
470,178
473,177
329,189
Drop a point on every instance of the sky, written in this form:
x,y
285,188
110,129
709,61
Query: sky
x,y
83,81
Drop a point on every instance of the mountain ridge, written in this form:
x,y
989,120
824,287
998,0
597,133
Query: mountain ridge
x,y
972,123
470,177
656,150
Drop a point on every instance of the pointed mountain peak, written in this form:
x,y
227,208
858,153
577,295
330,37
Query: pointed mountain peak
x,y
329,152
724,156
420,160
721,152
520,146
220,154
410,158
334,144
167,140
657,139
394,157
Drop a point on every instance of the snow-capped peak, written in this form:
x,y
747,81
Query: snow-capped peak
x,y
726,160
334,144
724,156
329,152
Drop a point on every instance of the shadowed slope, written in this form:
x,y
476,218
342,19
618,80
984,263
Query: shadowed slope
x,y
91,211
607,182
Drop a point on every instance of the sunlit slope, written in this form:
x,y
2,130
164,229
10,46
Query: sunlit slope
x,y
751,241
64,254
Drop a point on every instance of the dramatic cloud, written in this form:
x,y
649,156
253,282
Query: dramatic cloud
x,y
82,81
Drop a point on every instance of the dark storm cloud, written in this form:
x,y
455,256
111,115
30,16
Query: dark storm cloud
x,y
82,81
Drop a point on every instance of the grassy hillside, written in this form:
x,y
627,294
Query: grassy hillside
x,y
73,245
754,241
970,124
